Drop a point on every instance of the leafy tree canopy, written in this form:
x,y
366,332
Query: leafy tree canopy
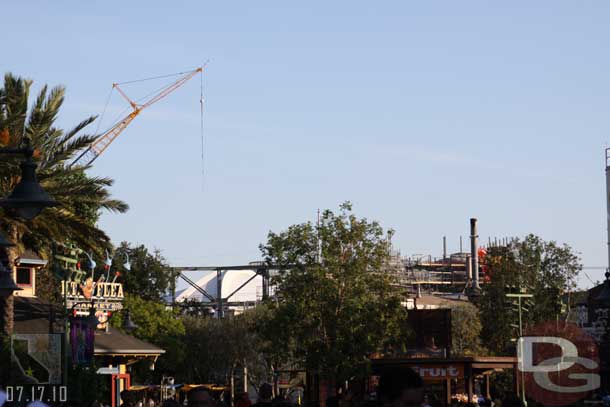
x,y
466,331
223,346
334,309
149,276
542,268
155,324
81,196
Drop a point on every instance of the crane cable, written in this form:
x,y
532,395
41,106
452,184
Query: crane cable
x,y
156,77
201,101
99,123
121,115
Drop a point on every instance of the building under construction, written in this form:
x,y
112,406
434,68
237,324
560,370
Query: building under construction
x,y
456,273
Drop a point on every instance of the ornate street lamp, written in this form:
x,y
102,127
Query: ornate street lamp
x,y
28,198
604,295
603,300
128,324
7,285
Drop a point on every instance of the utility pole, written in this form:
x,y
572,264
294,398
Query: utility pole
x,y
319,257
519,296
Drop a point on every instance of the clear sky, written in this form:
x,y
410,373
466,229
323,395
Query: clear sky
x,y
422,113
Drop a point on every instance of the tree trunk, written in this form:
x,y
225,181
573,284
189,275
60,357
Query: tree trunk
x,y
6,317
7,304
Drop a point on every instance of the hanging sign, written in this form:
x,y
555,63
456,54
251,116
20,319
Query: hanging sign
x,y
82,337
107,297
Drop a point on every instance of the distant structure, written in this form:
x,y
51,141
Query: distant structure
x,y
245,286
451,273
230,290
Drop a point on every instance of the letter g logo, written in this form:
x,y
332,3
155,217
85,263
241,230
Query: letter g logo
x,y
557,373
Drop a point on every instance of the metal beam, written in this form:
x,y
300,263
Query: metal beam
x,y
220,312
261,266
214,304
240,287
201,290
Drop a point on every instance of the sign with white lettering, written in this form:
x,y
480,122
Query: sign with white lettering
x,y
440,371
107,297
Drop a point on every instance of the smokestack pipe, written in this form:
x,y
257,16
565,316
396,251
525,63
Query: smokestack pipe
x,y
469,271
474,258
444,247
608,201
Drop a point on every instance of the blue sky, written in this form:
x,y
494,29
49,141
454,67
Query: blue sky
x,y
423,114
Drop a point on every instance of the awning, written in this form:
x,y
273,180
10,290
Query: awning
x,y
30,258
116,343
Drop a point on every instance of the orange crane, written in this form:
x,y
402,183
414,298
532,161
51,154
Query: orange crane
x,y
101,143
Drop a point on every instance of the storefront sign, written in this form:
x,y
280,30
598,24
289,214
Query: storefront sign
x,y
107,297
92,290
440,371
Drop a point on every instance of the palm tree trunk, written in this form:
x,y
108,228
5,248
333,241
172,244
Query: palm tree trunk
x,y
7,304
6,318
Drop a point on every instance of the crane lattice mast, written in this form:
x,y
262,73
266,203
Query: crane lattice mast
x,y
101,143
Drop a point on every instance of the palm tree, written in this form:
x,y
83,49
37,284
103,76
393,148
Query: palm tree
x,y
81,197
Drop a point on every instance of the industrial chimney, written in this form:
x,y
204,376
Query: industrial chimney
x,y
474,258
608,201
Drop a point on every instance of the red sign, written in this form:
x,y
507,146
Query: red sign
x,y
558,363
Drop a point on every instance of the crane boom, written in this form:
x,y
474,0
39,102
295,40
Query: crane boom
x,y
101,143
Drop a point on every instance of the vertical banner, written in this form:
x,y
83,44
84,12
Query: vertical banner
x,y
82,337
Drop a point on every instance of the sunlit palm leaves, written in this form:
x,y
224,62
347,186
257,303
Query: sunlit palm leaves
x,y
81,196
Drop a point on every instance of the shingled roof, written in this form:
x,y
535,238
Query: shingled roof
x,y
115,342
32,316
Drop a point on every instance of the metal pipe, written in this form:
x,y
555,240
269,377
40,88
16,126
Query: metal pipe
x,y
608,200
219,309
474,242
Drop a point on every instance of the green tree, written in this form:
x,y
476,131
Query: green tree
x,y
465,330
332,311
158,325
81,197
149,276
544,269
222,346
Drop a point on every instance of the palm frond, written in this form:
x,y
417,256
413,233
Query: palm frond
x,y
81,196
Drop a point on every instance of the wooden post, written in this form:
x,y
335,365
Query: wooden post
x,y
232,388
448,391
516,386
487,392
469,382
245,379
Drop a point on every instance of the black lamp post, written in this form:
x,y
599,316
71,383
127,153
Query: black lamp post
x,y
603,300
26,201
128,324
28,198
7,285
7,288
604,295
